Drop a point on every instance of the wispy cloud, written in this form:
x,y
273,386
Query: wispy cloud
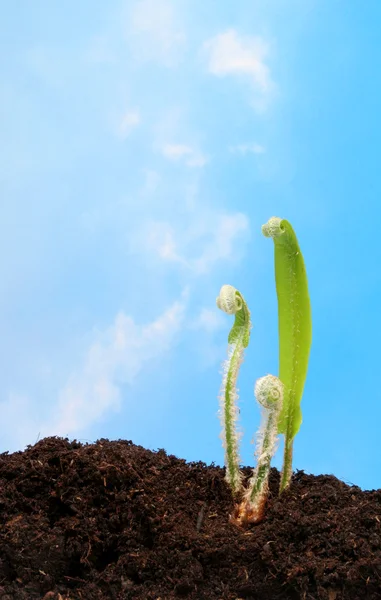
x,y
151,182
224,241
206,324
128,122
159,241
198,244
155,32
208,320
115,359
19,421
249,148
231,54
99,50
187,154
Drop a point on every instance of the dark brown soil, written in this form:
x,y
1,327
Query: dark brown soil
x,y
112,520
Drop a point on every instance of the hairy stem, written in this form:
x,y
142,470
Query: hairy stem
x,y
269,393
232,302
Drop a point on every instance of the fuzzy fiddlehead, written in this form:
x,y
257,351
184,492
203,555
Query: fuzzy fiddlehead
x,y
269,394
231,302
295,331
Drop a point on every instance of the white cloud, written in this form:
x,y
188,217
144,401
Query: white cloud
x,y
197,160
222,244
19,422
154,31
151,181
231,54
190,156
176,151
208,320
115,358
159,241
205,325
99,51
198,244
128,122
249,148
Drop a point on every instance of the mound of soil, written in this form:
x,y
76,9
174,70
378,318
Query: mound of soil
x,y
112,520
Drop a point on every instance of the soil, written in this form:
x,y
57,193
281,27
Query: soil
x,y
112,520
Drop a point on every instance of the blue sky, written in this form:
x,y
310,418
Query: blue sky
x,y
143,145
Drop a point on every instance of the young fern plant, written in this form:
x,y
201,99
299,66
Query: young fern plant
x,y
295,331
231,302
279,397
269,394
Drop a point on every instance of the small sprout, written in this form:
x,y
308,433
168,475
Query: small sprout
x,y
269,393
295,331
232,302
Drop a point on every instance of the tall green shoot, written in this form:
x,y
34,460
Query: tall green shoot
x,y
295,331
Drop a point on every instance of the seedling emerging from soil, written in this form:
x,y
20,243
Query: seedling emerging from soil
x,y
269,393
232,302
295,331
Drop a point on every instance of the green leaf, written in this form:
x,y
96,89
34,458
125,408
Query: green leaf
x,y
294,321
